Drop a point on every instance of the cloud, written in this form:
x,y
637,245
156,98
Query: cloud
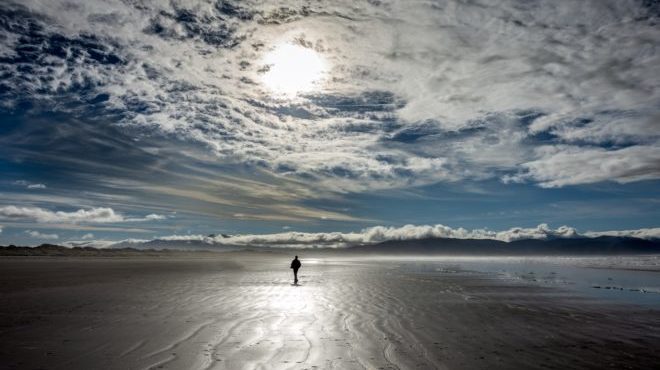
x,y
29,185
372,235
100,244
417,93
92,215
650,233
569,165
149,217
151,172
38,235
378,234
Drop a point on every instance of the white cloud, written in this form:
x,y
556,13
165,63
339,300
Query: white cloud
x,y
92,215
153,217
454,65
650,233
29,185
38,235
569,165
370,235
149,217
100,244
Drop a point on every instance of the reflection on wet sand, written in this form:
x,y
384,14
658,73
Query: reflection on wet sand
x,y
345,314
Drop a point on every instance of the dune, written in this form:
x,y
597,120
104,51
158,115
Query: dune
x,y
240,311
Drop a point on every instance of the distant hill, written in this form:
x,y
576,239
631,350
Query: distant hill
x,y
189,245
51,250
603,245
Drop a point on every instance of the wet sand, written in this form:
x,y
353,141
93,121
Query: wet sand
x,y
240,311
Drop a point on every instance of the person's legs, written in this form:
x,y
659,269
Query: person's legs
x,y
295,276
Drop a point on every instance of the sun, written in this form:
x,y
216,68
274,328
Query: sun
x,y
293,69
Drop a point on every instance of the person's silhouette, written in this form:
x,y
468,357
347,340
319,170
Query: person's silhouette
x,y
295,265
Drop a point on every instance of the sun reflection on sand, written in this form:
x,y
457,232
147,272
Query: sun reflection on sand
x,y
291,298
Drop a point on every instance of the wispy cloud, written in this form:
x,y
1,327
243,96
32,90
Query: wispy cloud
x,y
92,215
569,165
29,185
39,235
80,227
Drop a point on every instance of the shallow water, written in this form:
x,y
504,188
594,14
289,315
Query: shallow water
x,y
634,280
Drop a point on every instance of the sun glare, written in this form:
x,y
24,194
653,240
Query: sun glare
x,y
293,69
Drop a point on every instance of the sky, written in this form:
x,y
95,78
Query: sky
x,y
134,119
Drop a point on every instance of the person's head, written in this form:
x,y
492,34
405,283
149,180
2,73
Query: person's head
x,y
296,257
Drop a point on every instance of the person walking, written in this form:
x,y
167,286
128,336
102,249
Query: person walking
x,y
295,265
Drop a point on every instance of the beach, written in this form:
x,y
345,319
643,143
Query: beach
x,y
241,311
